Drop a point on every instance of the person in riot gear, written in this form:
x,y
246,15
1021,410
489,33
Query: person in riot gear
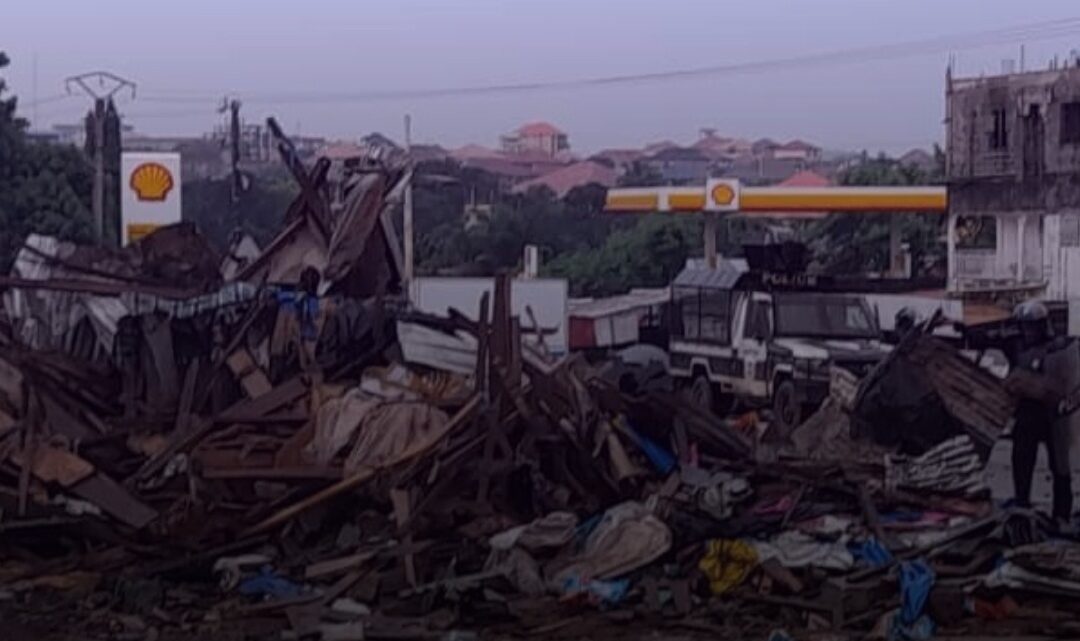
x,y
905,321
1041,363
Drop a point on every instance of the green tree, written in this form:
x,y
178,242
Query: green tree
x,y
260,211
648,254
846,243
600,253
43,189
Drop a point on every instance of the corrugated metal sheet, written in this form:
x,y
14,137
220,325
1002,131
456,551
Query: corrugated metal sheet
x,y
636,299
971,394
724,276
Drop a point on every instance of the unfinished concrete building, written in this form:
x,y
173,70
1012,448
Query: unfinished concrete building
x,y
1014,184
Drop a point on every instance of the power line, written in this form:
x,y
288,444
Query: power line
x,y
939,44
48,100
185,113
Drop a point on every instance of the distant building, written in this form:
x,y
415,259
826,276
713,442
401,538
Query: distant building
x,y
621,160
340,151
257,144
801,179
428,153
1013,157
43,137
680,165
540,137
918,158
656,147
507,173
797,150
561,181
763,170
472,152
306,146
722,148
376,140
764,147
806,178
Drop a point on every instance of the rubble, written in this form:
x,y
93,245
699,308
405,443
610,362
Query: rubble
x,y
285,450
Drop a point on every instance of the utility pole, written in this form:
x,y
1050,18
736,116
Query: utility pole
x,y
101,86
237,185
407,223
37,123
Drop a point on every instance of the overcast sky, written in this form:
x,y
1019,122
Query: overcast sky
x,y
185,54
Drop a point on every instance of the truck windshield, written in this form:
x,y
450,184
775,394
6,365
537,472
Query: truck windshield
x,y
824,316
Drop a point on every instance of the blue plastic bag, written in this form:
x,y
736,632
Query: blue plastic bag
x,y
871,552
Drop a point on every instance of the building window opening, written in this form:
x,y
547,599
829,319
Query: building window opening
x,y
976,232
999,136
1070,123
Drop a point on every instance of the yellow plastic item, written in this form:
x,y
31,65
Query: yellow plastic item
x,y
727,563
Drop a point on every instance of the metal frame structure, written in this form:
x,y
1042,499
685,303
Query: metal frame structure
x,y
725,196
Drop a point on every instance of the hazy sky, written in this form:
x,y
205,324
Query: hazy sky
x,y
185,54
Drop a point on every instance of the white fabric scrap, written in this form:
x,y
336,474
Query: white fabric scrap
x,y
794,549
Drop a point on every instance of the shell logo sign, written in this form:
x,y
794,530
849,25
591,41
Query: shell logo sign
x,y
722,195
152,192
151,181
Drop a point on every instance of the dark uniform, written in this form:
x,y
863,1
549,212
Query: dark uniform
x,y
1039,419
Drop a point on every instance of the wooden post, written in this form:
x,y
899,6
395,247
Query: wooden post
x,y
710,239
896,267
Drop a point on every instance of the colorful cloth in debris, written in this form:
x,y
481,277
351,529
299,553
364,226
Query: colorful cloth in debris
x,y
727,563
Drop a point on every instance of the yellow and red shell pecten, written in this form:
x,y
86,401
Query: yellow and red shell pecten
x,y
151,181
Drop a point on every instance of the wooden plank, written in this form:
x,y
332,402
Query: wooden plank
x,y
113,499
187,397
482,346
515,366
54,465
252,379
287,392
363,475
29,455
292,451
355,227
61,421
275,473
491,419
162,384
500,320
284,394
334,566
401,501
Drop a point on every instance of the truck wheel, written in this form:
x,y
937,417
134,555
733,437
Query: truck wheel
x,y
786,408
701,392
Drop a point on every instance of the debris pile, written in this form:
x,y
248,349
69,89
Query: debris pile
x,y
288,451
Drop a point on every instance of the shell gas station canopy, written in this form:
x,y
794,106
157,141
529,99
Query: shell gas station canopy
x,y
723,195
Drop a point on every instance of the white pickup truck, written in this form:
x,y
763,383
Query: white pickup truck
x,y
766,340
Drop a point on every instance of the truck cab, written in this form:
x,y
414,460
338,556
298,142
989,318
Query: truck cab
x,y
760,339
